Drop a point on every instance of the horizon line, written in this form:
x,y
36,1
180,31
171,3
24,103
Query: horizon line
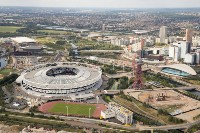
x,y
108,7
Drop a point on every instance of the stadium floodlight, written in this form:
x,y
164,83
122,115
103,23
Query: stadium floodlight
x,y
89,112
67,110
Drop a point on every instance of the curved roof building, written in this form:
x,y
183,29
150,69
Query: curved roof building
x,y
60,79
178,70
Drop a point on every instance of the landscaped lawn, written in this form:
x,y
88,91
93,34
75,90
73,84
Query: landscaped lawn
x,y
6,71
54,31
43,40
11,29
73,109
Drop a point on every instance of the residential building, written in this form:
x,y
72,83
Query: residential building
x,y
162,35
120,113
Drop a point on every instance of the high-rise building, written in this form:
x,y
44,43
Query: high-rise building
x,y
190,58
197,57
175,53
103,28
163,34
189,34
185,48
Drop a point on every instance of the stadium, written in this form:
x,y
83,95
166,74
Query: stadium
x,y
68,80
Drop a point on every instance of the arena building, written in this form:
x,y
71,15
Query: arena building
x,y
68,80
182,70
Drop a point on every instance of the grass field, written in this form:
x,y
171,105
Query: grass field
x,y
73,109
11,29
6,71
43,40
53,31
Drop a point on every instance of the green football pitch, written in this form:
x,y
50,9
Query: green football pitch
x,y
73,109
11,29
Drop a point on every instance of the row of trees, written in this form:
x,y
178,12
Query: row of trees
x,y
124,82
189,94
6,81
194,128
145,120
170,118
108,69
165,81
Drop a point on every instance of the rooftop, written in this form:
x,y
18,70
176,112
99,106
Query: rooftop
x,y
23,40
181,67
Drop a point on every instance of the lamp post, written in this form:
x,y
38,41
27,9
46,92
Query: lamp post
x,y
67,110
89,112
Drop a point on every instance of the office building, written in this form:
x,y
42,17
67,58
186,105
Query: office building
x,y
185,48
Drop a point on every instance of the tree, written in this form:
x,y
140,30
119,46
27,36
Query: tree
x,y
123,83
60,42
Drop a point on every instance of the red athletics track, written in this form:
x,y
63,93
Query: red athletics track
x,y
45,107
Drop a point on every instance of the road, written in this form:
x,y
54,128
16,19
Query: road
x,y
115,125
103,51
77,119
169,127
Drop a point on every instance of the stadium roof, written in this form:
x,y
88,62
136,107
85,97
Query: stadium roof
x,y
23,40
181,67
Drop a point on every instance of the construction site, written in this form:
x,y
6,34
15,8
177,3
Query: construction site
x,y
172,101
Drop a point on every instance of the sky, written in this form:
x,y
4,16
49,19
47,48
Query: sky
x,y
103,3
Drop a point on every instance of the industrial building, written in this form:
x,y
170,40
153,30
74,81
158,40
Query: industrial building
x,y
23,41
120,113
26,46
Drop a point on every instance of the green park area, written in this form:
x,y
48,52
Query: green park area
x,y
6,71
54,31
10,29
43,40
73,109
